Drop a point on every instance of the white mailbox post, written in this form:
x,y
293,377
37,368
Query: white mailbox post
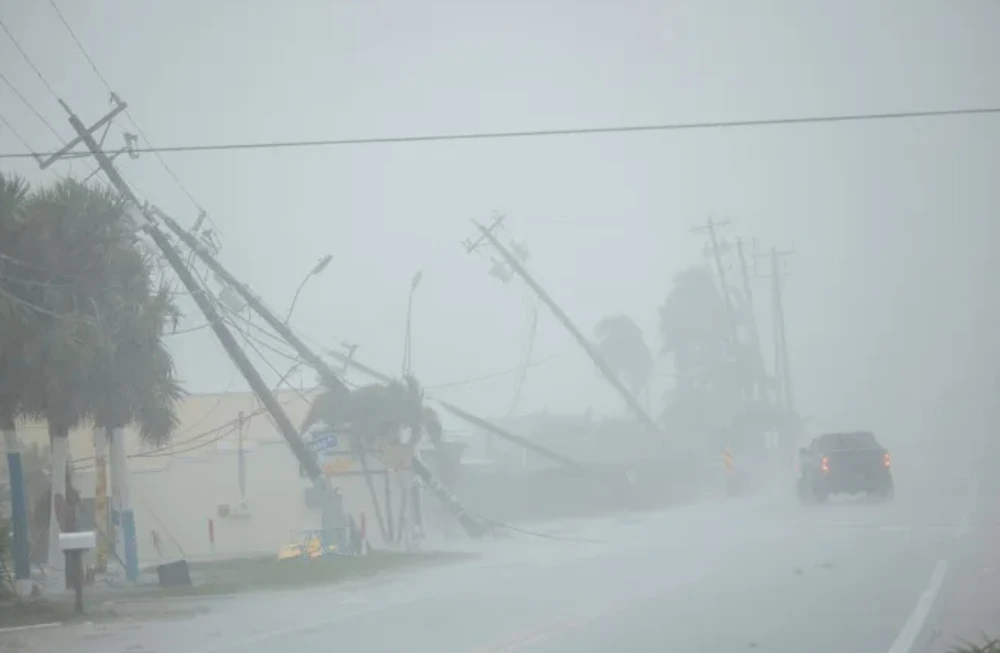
x,y
74,545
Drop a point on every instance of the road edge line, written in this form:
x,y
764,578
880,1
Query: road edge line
x,y
14,629
907,637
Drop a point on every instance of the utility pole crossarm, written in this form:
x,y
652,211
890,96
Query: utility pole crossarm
x,y
106,120
598,360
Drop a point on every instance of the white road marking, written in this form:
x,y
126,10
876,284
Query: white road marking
x,y
302,628
908,635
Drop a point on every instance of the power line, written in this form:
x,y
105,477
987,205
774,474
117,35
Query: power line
x,y
32,108
543,133
128,114
218,402
29,305
13,131
78,44
496,375
28,59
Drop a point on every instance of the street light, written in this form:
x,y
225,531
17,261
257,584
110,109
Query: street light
x,y
409,312
319,267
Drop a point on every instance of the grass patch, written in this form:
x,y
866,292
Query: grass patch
x,y
988,645
14,613
260,574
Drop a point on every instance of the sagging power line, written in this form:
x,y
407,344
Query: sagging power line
x,y
546,133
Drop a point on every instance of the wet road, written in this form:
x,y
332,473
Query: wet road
x,y
761,574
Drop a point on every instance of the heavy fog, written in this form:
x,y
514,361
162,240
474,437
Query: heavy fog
x,y
893,323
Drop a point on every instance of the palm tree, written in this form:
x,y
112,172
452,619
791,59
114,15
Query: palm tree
x,y
715,375
623,347
133,382
17,288
375,416
693,324
695,329
14,367
98,352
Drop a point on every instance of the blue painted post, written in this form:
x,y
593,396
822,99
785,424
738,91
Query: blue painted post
x,y
121,504
19,512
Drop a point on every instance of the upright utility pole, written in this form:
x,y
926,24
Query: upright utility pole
x,y
306,458
782,369
715,252
517,267
761,372
408,339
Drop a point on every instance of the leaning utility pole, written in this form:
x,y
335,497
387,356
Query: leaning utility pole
x,y
306,458
516,266
472,526
330,378
715,251
467,417
782,369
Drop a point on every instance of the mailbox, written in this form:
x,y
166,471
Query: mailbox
x,y
82,541
74,545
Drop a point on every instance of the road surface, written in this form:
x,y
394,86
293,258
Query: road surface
x,y
755,574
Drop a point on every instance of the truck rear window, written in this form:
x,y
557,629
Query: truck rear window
x,y
860,440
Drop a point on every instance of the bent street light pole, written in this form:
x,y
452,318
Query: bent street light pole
x,y
470,524
606,371
291,435
319,267
330,378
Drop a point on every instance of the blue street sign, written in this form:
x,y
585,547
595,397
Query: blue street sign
x,y
323,443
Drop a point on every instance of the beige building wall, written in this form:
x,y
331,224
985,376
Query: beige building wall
x,y
178,488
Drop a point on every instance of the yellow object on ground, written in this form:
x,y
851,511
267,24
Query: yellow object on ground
x,y
310,546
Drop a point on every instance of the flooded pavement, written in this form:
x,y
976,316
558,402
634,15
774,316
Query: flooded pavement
x,y
759,573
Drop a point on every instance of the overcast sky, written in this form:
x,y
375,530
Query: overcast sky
x,y
889,299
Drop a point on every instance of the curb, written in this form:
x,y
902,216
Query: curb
x,y
14,629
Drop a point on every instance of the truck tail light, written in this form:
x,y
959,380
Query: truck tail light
x,y
824,465
887,460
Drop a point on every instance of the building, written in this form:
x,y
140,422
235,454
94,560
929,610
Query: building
x,y
202,501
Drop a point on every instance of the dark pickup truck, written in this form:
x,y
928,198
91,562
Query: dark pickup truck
x,y
848,463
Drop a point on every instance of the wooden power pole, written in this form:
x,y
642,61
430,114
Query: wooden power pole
x,y
308,460
782,368
760,371
715,251
517,267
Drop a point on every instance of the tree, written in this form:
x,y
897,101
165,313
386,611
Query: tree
x,y
92,343
693,325
375,417
623,347
715,368
15,369
710,368
14,280
133,375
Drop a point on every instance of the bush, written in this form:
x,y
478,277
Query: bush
x,y
6,585
988,645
